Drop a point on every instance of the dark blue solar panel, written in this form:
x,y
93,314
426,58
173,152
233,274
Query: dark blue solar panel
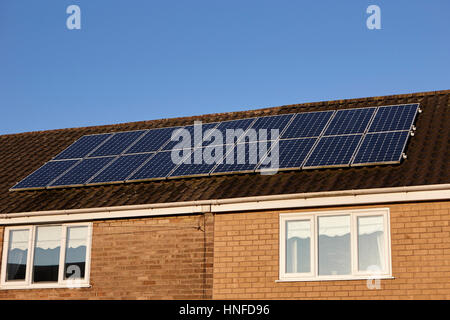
x,y
140,156
201,136
308,124
266,124
232,129
194,134
157,167
45,174
82,172
82,147
333,151
386,147
242,158
153,140
202,161
291,154
190,170
394,118
117,144
350,121
121,168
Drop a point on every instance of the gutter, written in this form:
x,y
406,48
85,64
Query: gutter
x,y
296,200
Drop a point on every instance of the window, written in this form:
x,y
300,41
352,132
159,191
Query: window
x,y
46,256
335,245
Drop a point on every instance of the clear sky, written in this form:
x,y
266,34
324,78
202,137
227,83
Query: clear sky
x,y
143,59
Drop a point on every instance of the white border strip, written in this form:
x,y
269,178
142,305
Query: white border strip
x,y
299,200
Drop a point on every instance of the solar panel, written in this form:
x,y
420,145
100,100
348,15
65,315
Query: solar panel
x,y
385,147
192,170
291,154
82,172
45,174
266,124
308,124
202,161
393,118
350,121
152,141
121,168
333,151
361,136
243,157
238,127
159,166
196,134
117,143
82,147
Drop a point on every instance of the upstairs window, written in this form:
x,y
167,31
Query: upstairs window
x,y
46,256
335,245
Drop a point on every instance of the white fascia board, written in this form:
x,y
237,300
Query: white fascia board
x,y
273,202
357,199
33,218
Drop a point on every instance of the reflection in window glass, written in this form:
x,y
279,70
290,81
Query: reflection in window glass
x,y
75,260
46,254
334,245
371,255
17,255
298,246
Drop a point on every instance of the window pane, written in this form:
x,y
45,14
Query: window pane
x,y
17,255
371,253
75,261
46,254
334,245
298,246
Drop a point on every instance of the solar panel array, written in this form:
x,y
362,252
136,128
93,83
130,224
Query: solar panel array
x,y
324,139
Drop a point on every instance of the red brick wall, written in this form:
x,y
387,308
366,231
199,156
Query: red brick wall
x,y
149,258
171,258
246,258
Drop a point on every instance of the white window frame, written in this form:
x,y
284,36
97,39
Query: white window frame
x,y
61,283
313,218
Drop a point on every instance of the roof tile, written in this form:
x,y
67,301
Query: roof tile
x,y
427,162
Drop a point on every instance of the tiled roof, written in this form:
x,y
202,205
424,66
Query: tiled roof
x,y
427,162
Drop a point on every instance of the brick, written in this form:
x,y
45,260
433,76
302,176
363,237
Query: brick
x,y
237,258
420,255
151,263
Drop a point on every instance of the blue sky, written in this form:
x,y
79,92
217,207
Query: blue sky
x,y
144,59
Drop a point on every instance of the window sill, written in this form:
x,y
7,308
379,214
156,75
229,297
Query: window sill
x,y
45,286
381,277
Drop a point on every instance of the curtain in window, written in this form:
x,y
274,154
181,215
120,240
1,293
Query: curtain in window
x,y
371,255
298,246
75,260
46,254
334,245
17,255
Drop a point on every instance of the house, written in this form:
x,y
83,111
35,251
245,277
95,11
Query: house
x,y
375,231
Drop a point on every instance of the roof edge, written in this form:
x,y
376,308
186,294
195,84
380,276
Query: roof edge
x,y
298,200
